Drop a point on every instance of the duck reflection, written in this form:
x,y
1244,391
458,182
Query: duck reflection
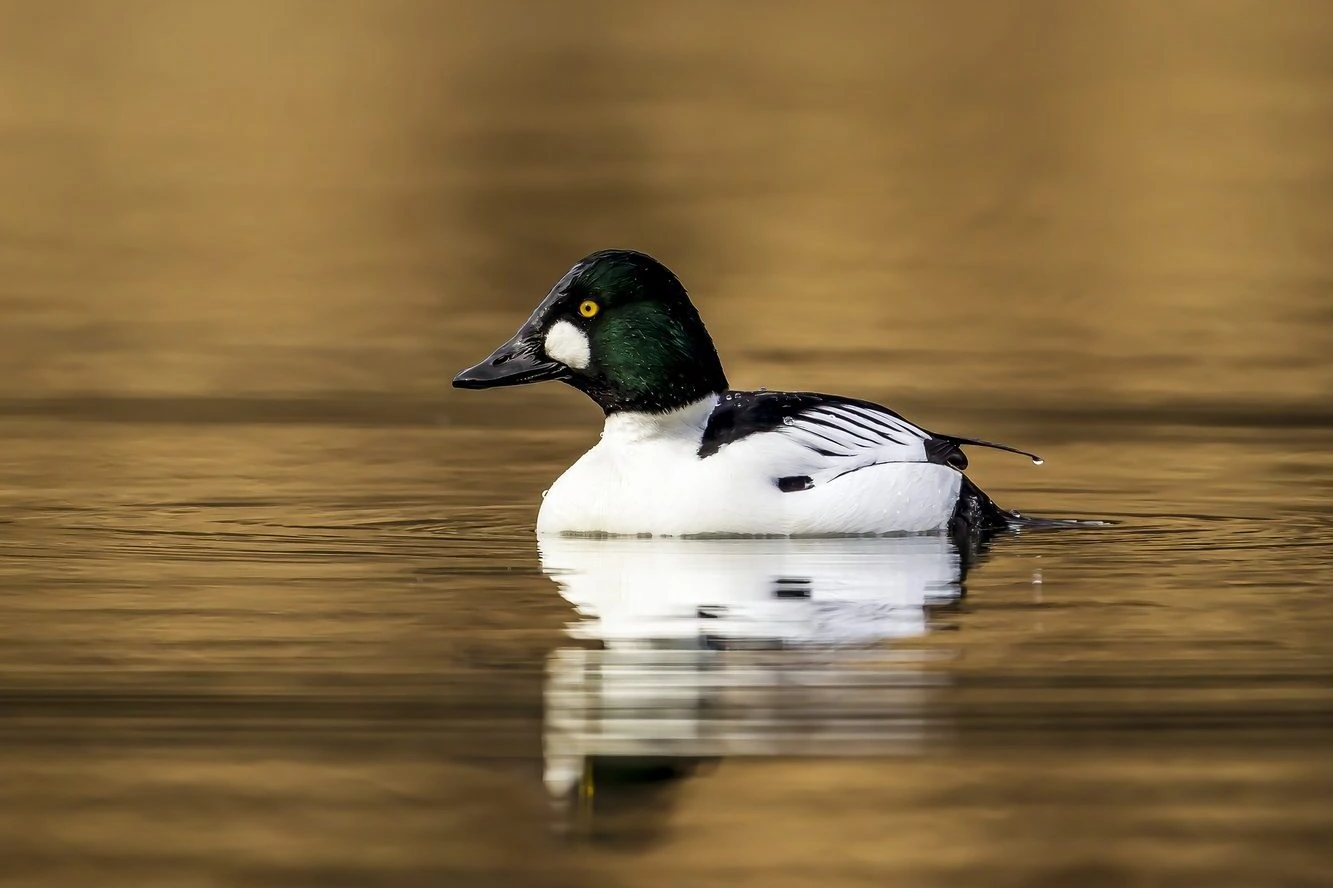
x,y
740,647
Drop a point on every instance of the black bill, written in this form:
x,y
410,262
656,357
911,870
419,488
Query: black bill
x,y
517,362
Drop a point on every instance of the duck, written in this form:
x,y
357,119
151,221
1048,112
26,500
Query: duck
x,y
681,454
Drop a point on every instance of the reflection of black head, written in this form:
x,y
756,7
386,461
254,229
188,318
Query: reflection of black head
x,y
626,802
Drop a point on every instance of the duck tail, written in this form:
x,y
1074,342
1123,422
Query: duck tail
x,y
977,513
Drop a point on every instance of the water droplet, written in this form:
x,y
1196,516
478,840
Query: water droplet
x,y
728,397
787,421
546,491
1037,461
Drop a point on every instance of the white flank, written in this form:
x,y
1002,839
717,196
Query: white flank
x,y
645,477
567,344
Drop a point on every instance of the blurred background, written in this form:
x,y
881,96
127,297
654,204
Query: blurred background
x,y
244,246
1019,200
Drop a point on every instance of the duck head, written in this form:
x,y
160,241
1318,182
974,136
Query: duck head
x,y
619,327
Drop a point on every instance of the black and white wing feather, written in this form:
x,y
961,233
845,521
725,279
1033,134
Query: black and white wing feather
x,y
836,435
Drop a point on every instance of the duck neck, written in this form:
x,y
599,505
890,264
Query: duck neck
x,y
685,422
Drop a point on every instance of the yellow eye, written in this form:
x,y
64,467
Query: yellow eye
x,y
588,308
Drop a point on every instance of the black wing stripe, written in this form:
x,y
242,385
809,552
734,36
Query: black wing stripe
x,y
846,427
806,427
880,431
885,420
849,421
815,436
892,422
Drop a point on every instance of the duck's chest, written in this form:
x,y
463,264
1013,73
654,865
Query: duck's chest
x,y
655,486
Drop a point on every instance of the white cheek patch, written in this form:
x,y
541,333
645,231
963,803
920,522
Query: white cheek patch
x,y
567,344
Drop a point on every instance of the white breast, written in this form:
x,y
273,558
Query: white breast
x,y
645,477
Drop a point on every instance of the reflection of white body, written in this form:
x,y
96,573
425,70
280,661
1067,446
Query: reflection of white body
x,y
722,647
795,591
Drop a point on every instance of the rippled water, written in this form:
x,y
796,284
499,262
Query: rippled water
x,y
273,612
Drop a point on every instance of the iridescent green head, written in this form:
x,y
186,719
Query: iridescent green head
x,y
618,326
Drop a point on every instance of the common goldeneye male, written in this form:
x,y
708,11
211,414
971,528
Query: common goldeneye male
x,y
683,454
